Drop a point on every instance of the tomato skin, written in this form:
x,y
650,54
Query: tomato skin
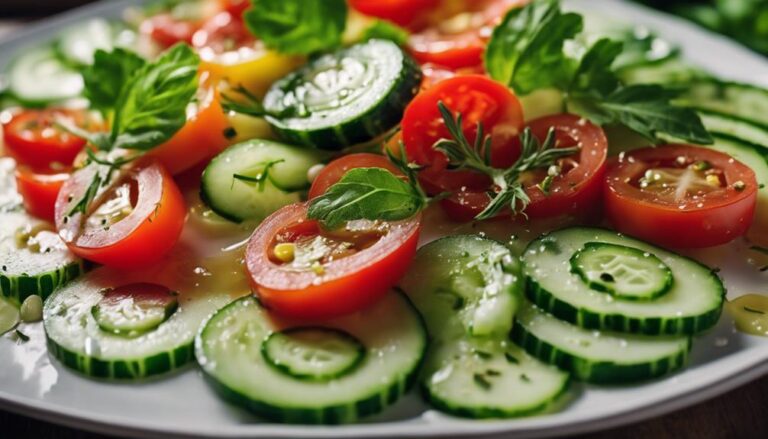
x,y
478,99
200,139
221,33
39,190
714,220
348,285
336,169
401,12
235,7
165,30
32,138
143,237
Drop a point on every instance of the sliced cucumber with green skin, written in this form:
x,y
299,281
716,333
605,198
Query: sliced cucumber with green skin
x,y
33,259
134,309
9,316
735,126
250,180
77,44
76,339
344,98
692,305
316,354
594,356
468,289
746,101
673,72
229,348
37,77
624,272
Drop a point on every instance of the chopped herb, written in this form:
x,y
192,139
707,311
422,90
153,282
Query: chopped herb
x,y
492,373
482,381
524,377
230,133
763,250
483,355
22,337
88,197
607,277
511,358
262,177
753,310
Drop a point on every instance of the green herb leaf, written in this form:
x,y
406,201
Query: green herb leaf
x,y
107,76
594,74
526,49
152,106
298,27
384,30
366,193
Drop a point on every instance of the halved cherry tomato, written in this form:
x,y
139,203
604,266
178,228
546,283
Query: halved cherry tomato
x,y
221,33
460,41
577,188
365,266
235,7
134,223
33,138
434,73
478,99
201,138
336,169
402,12
39,190
680,196
166,30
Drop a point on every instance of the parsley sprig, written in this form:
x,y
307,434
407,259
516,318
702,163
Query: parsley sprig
x,y
508,190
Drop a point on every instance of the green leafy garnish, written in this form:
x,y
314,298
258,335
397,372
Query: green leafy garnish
x,y
508,191
366,193
261,178
384,30
527,52
298,27
106,77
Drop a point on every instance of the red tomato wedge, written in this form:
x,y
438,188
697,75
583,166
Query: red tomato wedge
x,y
401,12
680,196
33,138
235,7
133,223
362,267
221,33
39,190
478,99
575,191
336,169
165,30
201,138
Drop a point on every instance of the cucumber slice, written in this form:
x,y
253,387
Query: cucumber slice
x,y
468,288
674,71
745,101
692,305
9,316
250,180
33,259
597,357
134,309
624,272
228,349
37,78
344,98
77,44
76,339
317,354
734,126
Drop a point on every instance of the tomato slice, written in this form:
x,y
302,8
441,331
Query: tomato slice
x,y
39,190
359,269
166,30
222,33
33,138
680,196
134,223
478,99
402,12
575,191
235,7
201,138
336,169
460,41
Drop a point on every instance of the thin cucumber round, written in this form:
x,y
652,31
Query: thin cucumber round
x,y
746,101
735,126
674,71
9,316
692,305
594,356
37,77
134,309
229,349
76,339
250,180
624,272
468,289
344,98
33,259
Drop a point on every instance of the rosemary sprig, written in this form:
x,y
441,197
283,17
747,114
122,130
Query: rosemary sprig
x,y
507,189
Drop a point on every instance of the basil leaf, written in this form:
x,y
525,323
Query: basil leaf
x,y
152,106
384,30
298,27
105,78
526,49
594,75
366,193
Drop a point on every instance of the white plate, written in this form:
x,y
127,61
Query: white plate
x,y
182,405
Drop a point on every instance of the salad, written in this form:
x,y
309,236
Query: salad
x,y
326,204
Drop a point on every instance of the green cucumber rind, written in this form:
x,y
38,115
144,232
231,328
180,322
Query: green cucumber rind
x,y
596,372
18,288
585,318
719,100
333,415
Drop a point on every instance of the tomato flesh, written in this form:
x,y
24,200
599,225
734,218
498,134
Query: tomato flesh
x,y
39,190
222,33
401,12
165,30
341,285
659,195
133,224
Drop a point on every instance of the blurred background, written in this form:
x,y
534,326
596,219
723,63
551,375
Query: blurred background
x,y
33,8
